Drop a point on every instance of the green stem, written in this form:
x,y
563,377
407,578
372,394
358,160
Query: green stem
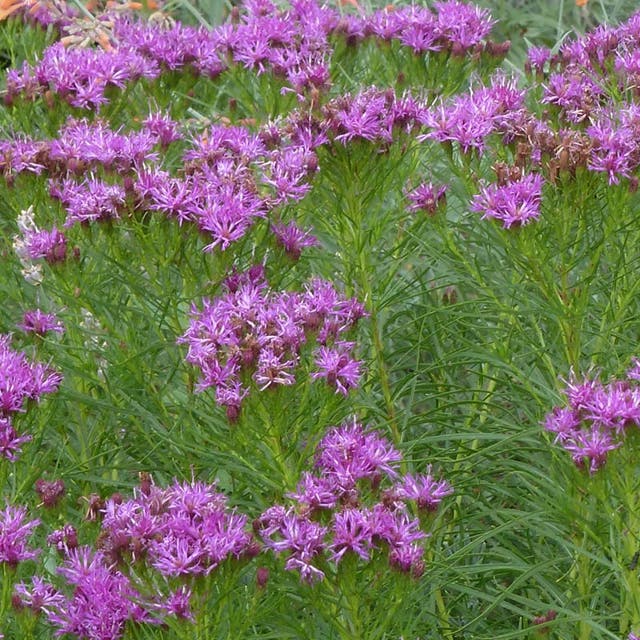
x,y
383,372
443,614
7,589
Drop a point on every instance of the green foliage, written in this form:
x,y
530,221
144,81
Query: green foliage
x,y
471,329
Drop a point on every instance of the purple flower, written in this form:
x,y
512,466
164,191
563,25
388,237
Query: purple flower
x,y
514,204
50,493
94,581
92,200
426,197
185,529
352,531
334,495
42,596
424,489
163,128
63,539
83,145
15,531
614,406
40,323
596,418
252,330
464,25
293,239
633,373
178,604
302,539
589,448
273,369
574,92
469,119
580,393
337,366
21,380
615,149
563,421
537,57
10,442
316,493
50,245
347,454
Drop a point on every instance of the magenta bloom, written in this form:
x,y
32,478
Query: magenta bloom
x,y
514,204
348,453
15,531
336,365
425,490
537,57
596,417
344,508
10,442
293,239
40,323
21,380
589,448
50,245
254,333
426,197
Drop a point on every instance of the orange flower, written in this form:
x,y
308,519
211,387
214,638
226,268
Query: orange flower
x,y
7,7
581,3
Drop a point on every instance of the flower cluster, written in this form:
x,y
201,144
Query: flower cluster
x,y
292,43
596,417
185,529
454,26
372,114
346,507
253,332
15,531
21,381
469,119
91,580
33,244
614,133
230,177
515,203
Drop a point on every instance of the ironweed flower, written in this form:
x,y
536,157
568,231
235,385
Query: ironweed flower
x,y
596,417
63,539
21,380
15,531
32,244
293,239
185,529
516,203
426,197
252,329
469,119
425,490
614,138
10,442
50,493
344,507
39,323
338,367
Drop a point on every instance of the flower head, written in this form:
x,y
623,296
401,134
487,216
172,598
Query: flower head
x,y
15,530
